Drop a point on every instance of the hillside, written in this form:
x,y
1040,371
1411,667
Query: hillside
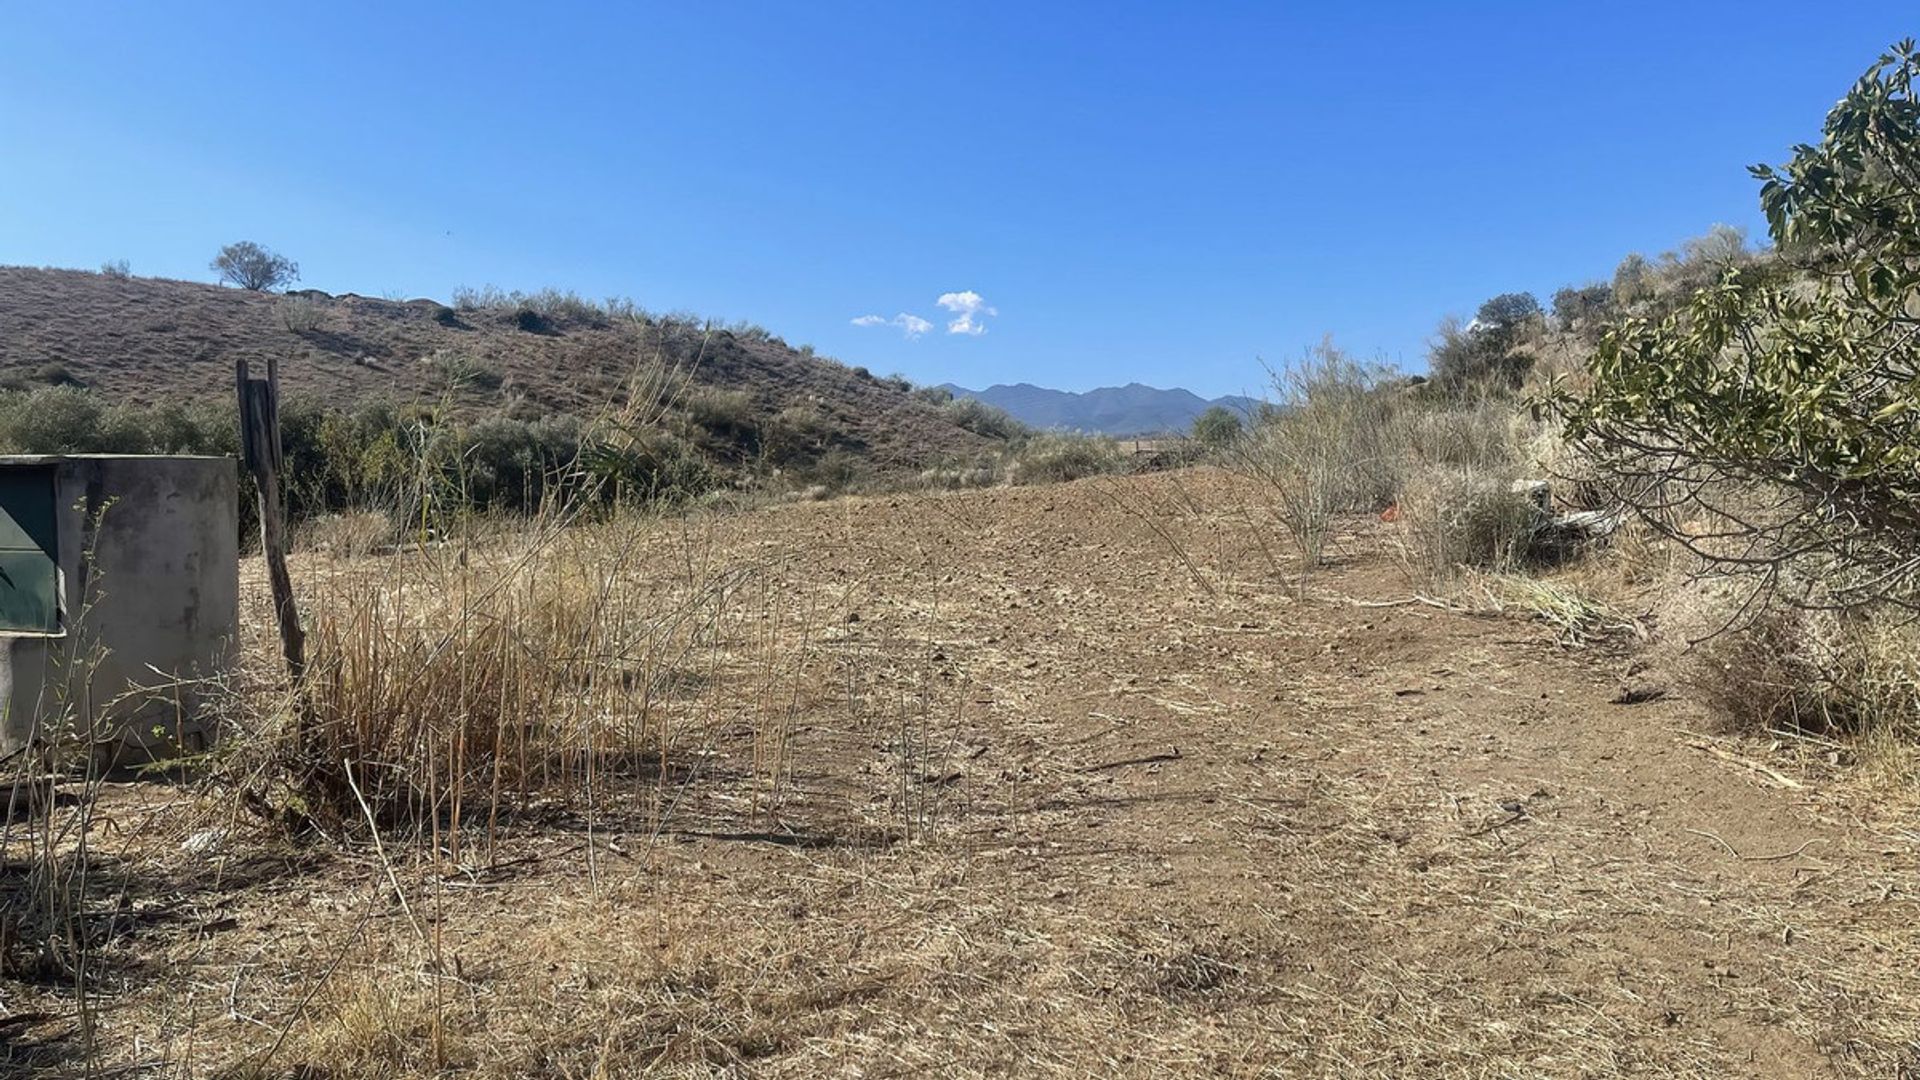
x,y
146,339
1133,409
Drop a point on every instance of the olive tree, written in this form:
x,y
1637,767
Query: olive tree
x,y
251,266
1771,422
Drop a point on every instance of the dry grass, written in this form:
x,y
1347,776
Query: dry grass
x,y
984,784
456,682
348,535
1454,519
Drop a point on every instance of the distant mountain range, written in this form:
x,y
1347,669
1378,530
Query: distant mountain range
x,y
1133,409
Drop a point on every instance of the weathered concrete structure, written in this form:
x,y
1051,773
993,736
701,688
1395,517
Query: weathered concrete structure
x,y
119,597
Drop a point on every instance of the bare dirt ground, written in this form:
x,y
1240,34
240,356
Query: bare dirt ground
x,y
1079,788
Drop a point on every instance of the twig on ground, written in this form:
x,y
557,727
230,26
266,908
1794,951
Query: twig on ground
x,y
1150,759
1735,852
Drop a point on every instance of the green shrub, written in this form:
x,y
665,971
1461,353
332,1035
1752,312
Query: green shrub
x,y
646,464
982,419
1577,308
1054,457
729,415
1217,428
1779,407
1488,352
459,371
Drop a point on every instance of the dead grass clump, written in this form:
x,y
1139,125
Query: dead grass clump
x,y
375,1023
1452,519
1788,670
956,478
346,535
450,683
1482,433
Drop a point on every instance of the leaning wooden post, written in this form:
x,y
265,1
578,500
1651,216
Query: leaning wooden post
x,y
260,450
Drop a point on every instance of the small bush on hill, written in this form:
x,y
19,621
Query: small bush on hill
x,y
253,267
729,415
1582,308
460,371
798,433
1488,352
982,419
55,373
116,268
300,315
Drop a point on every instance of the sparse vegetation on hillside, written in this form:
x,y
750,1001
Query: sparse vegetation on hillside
x,y
769,419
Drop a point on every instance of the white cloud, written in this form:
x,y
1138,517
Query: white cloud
x,y
968,309
911,326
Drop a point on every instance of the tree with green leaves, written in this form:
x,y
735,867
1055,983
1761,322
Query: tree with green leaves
x,y
1771,422
1217,428
251,266
1486,354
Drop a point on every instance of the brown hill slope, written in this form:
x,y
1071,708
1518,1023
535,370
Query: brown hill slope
x,y
148,339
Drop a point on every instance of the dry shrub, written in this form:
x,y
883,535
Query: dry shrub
x,y
1452,518
301,315
958,477
1791,670
1764,675
1334,441
1055,458
1481,433
450,682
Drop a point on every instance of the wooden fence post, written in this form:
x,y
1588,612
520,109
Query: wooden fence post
x,y
260,450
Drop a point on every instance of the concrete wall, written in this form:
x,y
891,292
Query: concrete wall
x,y
149,608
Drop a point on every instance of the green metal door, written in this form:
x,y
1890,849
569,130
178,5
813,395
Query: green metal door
x,y
29,574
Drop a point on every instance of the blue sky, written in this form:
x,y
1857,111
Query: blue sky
x,y
1104,192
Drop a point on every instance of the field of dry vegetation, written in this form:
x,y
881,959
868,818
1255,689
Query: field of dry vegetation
x,y
1555,716
1096,778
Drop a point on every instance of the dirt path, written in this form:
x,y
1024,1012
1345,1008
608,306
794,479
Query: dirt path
x,y
1325,836
1168,819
